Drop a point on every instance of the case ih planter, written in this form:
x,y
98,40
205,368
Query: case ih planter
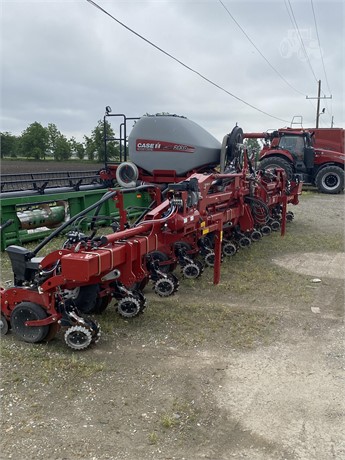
x,y
191,223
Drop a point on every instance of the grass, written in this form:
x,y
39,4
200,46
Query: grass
x,y
181,414
182,320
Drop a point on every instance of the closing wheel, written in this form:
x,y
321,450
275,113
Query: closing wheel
x,y
3,325
244,242
275,225
141,298
28,311
209,259
266,230
95,329
192,270
166,287
78,337
229,249
256,235
289,216
330,180
128,307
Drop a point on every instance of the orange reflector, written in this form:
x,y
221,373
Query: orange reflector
x,y
138,195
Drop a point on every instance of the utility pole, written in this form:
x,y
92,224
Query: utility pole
x,y
318,102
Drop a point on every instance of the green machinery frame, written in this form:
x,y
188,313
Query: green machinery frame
x,y
36,226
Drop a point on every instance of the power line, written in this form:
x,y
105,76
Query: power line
x,y
257,49
293,25
318,40
182,63
323,63
302,43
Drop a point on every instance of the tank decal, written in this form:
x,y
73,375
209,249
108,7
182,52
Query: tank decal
x,y
162,146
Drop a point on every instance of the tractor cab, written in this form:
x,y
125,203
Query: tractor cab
x,y
299,145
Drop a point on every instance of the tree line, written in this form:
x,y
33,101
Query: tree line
x,y
38,142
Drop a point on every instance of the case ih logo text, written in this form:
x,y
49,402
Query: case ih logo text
x,y
161,146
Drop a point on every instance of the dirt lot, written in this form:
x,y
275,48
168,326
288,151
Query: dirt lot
x,y
253,368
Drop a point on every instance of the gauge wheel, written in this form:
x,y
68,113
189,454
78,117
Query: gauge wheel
x,y
88,301
28,311
158,256
101,304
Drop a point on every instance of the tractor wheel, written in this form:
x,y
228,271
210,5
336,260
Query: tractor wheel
x,y
276,162
330,180
3,325
28,311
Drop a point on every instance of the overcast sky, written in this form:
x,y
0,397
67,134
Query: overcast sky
x,y
64,61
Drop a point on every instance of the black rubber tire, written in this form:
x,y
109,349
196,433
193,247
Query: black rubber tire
x,y
101,304
87,300
139,285
161,257
330,179
235,137
277,162
26,311
4,326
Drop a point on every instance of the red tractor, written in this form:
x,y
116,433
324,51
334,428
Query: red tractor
x,y
315,154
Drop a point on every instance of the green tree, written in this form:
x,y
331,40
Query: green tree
x,y
77,148
97,139
90,148
53,135
34,141
59,146
9,144
253,148
62,149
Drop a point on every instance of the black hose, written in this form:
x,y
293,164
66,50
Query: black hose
x,y
99,203
260,210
